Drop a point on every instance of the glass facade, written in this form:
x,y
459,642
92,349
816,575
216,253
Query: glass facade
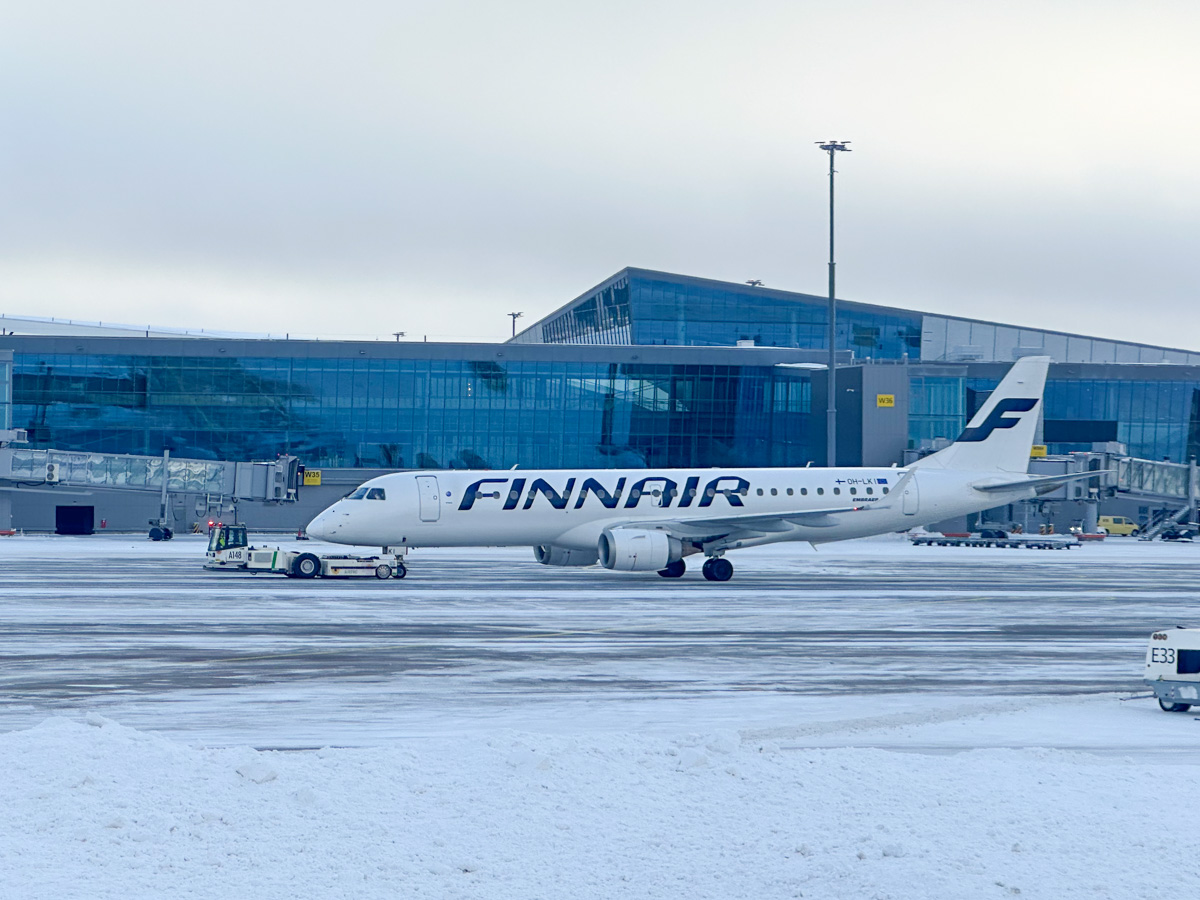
x,y
347,410
642,307
603,317
936,405
965,340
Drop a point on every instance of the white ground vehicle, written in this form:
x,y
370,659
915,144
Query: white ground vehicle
x,y
1173,667
229,548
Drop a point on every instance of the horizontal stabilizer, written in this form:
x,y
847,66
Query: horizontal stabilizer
x,y
1036,481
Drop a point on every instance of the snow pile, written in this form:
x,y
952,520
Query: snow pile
x,y
96,810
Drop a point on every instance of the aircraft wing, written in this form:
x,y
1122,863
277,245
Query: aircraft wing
x,y
757,523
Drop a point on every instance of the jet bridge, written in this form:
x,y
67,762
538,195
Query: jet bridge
x,y
1173,488
218,484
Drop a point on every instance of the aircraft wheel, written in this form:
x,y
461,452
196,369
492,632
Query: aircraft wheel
x,y
673,570
718,569
1168,706
383,570
156,533
400,570
306,566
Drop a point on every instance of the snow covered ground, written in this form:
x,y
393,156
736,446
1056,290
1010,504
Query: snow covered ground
x,y
871,720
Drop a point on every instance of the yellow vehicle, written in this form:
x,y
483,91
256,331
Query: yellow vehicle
x,y
1119,525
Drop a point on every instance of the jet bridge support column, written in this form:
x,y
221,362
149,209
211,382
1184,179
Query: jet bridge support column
x,y
163,498
1193,489
1091,516
5,511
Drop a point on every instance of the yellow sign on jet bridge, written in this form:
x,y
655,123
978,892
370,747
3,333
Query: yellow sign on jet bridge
x,y
312,477
1037,450
885,399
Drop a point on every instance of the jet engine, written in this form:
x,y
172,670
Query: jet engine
x,y
630,550
551,555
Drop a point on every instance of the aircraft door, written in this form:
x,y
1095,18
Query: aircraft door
x,y
431,503
911,500
655,492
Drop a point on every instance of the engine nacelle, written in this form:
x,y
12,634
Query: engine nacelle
x,y
551,555
630,550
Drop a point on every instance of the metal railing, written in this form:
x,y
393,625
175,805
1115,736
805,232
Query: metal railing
x,y
262,481
1157,479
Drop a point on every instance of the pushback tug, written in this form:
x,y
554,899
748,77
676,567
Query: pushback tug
x,y
229,549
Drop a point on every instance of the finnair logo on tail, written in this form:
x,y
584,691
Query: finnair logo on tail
x,y
997,418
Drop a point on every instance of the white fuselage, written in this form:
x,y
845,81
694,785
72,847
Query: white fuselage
x,y
572,508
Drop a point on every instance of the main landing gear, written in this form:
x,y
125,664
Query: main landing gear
x,y
718,568
715,569
673,570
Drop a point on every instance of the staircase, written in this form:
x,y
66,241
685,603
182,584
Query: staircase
x,y
1162,520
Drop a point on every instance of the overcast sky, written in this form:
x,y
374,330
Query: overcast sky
x,y
364,167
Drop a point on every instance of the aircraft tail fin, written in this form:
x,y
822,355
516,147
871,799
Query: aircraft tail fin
x,y
1001,434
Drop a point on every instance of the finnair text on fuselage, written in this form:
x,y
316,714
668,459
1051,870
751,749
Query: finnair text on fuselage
x,y
660,491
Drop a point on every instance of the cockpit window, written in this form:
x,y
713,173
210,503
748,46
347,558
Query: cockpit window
x,y
376,494
358,494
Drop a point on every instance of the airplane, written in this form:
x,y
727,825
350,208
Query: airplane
x,y
651,520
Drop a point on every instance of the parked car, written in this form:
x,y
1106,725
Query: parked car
x,y
1119,525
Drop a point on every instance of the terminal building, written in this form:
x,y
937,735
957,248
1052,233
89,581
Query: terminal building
x,y
647,369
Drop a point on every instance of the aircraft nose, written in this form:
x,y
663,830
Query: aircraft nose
x,y
320,527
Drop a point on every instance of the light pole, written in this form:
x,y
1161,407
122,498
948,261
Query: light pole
x,y
832,147
515,316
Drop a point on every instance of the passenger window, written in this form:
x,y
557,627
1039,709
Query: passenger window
x,y
820,490
774,492
885,490
789,492
760,492
837,490
803,492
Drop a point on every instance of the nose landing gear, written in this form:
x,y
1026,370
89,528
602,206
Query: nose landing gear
x,y
718,568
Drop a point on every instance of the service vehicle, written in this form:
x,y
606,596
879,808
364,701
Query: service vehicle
x,y
1119,525
1173,667
229,548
